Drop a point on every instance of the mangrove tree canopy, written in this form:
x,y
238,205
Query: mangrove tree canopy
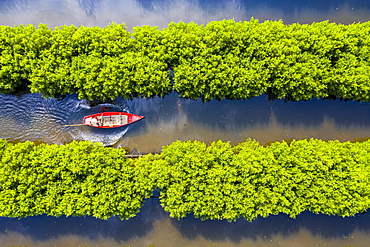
x,y
223,59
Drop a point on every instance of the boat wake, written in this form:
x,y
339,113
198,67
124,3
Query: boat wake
x,y
34,118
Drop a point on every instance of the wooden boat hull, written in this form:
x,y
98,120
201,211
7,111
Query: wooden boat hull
x,y
106,120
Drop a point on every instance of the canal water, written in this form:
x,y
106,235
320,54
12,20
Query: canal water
x,y
152,226
32,117
161,12
172,118
35,118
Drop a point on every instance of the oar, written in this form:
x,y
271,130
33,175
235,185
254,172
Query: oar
x,y
70,125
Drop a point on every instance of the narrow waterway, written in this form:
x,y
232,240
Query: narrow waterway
x,y
34,118
172,118
153,226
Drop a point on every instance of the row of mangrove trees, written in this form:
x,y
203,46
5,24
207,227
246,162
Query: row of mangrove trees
x,y
223,59
215,181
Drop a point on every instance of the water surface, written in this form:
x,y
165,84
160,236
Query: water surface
x,y
153,226
172,118
34,118
161,12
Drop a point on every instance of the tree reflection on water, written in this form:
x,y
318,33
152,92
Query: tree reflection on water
x,y
153,226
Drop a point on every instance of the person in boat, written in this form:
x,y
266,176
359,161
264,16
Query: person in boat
x,y
94,121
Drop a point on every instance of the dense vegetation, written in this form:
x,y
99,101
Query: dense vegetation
x,y
216,181
223,59
80,178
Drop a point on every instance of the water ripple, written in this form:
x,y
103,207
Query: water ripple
x,y
34,118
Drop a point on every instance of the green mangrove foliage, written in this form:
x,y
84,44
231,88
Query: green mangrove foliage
x,y
223,59
216,181
17,55
97,63
248,180
75,179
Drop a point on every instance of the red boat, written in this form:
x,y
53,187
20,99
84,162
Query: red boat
x,y
111,119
